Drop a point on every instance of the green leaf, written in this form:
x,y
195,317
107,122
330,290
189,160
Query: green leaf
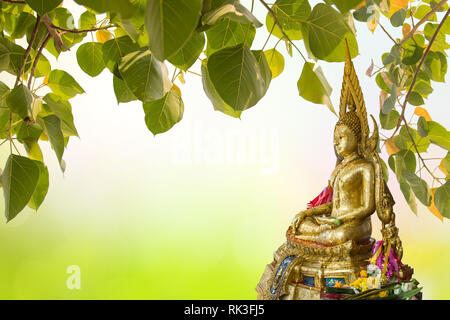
x,y
163,114
19,101
435,65
217,101
63,84
190,52
401,161
276,62
236,75
144,75
415,99
423,88
115,49
52,127
43,67
438,135
90,58
87,20
442,199
346,5
291,14
125,8
170,24
19,180
403,140
411,52
422,11
439,43
63,110
326,30
419,186
422,127
229,33
234,11
28,132
43,6
16,54
4,58
123,93
389,103
313,86
389,121
24,21
41,188
264,68
398,18
409,196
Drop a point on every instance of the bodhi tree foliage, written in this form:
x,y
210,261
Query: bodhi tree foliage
x,y
138,41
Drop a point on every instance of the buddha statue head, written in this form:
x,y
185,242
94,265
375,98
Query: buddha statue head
x,y
347,134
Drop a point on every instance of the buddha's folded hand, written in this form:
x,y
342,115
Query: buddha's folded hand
x,y
298,219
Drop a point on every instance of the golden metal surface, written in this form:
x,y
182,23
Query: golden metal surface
x,y
333,240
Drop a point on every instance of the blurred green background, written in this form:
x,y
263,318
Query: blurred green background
x,y
195,213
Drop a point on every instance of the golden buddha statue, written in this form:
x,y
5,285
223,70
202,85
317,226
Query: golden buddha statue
x,y
331,241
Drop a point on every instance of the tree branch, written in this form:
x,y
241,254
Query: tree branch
x,y
277,22
82,31
13,2
27,53
402,115
424,19
36,60
56,37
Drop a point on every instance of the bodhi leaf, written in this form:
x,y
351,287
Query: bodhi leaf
x,y
87,20
419,186
275,61
170,24
438,135
123,93
442,199
124,7
90,58
43,6
41,188
401,161
16,54
52,128
291,14
409,196
435,65
234,11
264,68
163,114
43,67
229,33
218,103
63,84
19,101
144,75
19,180
403,140
313,86
190,52
63,110
236,75
117,48
389,121
346,5
326,30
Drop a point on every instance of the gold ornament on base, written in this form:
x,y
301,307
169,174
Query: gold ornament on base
x,y
330,244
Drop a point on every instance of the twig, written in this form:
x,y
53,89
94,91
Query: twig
x,y
82,31
36,59
56,37
27,53
402,115
14,2
424,19
387,32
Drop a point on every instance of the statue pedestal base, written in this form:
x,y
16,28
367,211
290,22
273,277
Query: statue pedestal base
x,y
301,270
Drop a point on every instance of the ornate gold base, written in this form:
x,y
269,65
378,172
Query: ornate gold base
x,y
302,270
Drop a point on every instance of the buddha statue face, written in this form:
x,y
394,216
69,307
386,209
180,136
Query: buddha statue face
x,y
345,141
